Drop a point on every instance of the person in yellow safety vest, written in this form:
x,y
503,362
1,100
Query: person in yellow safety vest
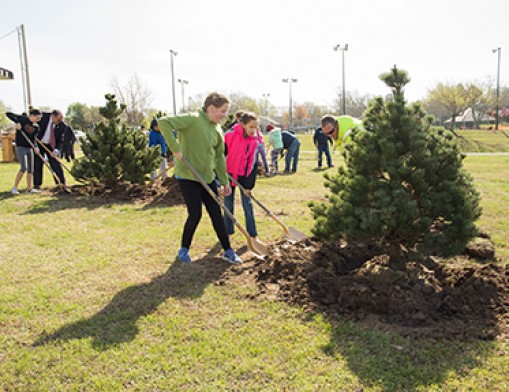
x,y
342,128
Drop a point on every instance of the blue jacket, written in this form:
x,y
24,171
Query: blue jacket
x,y
155,139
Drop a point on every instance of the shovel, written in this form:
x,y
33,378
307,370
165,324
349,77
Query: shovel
x,y
252,244
55,157
36,151
290,232
170,165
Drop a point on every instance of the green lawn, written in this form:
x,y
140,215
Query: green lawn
x,y
91,299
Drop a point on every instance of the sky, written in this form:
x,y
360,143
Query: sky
x,y
76,47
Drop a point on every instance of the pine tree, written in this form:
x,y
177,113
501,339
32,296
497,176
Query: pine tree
x,y
403,184
114,154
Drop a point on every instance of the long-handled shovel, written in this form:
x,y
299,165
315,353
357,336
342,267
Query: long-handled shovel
x,y
252,244
291,232
55,158
170,165
59,183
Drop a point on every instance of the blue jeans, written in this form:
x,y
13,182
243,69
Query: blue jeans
x,y
292,156
261,154
247,205
325,150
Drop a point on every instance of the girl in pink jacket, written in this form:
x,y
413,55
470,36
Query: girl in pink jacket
x,y
241,147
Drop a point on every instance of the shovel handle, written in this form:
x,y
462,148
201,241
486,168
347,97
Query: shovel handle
x,y
46,163
218,200
267,211
54,157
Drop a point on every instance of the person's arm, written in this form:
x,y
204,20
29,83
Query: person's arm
x,y
168,124
13,117
220,162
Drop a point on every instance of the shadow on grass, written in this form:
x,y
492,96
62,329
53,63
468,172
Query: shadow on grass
x,y
62,201
392,363
116,323
7,195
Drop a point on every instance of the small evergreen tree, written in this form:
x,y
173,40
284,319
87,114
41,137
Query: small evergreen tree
x,y
403,184
112,153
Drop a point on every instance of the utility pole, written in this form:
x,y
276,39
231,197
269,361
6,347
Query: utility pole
x,y
25,77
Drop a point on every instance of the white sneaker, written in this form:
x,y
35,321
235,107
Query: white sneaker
x,y
15,191
34,190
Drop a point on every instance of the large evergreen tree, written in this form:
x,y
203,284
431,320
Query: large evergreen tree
x,y
403,185
114,154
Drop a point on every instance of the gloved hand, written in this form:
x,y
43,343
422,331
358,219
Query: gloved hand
x,y
56,152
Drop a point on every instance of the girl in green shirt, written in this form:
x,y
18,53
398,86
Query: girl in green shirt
x,y
200,141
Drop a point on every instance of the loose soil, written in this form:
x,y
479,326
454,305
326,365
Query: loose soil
x,y
166,193
460,298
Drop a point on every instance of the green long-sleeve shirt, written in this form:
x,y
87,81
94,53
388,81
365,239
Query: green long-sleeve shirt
x,y
200,141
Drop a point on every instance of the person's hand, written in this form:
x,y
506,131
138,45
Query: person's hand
x,y
227,190
17,126
36,150
247,192
56,152
178,155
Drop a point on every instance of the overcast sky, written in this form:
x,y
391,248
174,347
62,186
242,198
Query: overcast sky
x,y
76,47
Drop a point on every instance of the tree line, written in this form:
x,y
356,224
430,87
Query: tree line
x,y
443,101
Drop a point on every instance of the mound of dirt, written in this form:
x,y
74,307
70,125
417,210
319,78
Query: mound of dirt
x,y
168,193
458,299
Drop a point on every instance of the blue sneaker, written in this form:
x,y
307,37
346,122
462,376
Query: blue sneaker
x,y
183,255
231,257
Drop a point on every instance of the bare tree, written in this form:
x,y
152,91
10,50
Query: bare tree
x,y
355,103
136,96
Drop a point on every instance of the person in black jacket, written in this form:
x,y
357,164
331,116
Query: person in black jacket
x,y
26,128
68,140
321,140
49,136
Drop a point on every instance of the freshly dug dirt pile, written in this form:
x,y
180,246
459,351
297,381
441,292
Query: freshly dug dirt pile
x,y
168,193
458,298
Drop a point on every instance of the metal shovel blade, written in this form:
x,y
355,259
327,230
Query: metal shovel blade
x,y
257,247
295,234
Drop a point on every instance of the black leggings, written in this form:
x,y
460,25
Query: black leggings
x,y
195,194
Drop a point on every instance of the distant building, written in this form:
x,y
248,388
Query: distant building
x,y
466,120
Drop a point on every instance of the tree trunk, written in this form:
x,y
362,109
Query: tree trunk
x,y
397,257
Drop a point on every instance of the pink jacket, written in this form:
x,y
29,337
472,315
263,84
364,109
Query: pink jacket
x,y
241,158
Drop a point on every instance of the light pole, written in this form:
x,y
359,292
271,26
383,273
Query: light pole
x,y
265,98
182,82
499,50
343,94
173,54
290,81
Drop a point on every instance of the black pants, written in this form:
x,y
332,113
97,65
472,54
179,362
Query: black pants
x,y
194,195
39,165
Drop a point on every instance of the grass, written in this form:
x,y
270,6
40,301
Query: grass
x,y
91,299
